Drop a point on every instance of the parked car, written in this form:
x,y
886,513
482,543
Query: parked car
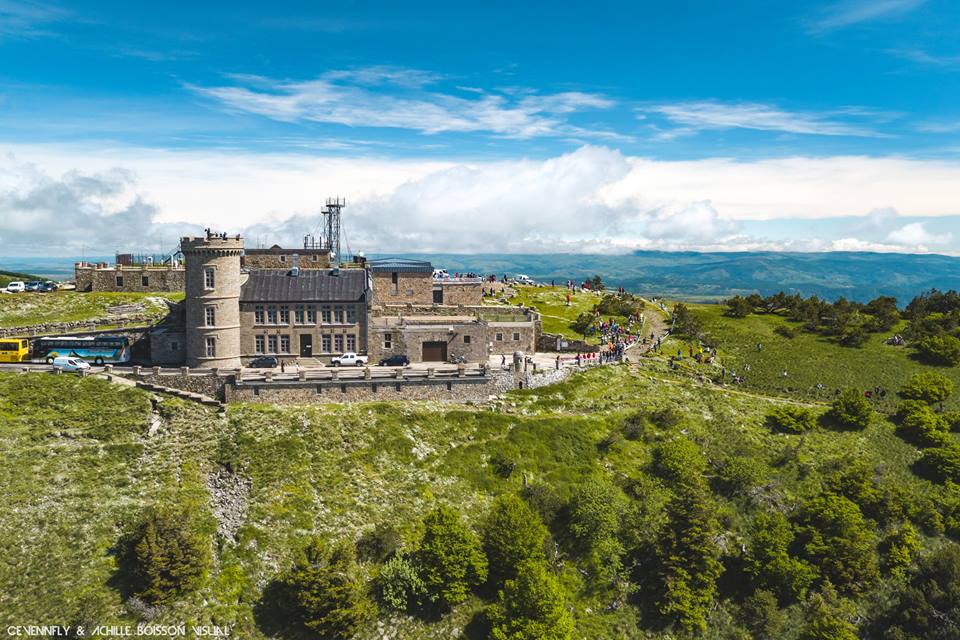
x,y
395,361
48,286
16,286
264,362
349,359
33,285
523,279
440,274
70,363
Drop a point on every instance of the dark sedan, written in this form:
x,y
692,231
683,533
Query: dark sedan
x,y
395,361
263,362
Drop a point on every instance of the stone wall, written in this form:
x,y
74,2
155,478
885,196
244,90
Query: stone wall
x,y
168,346
206,383
468,339
128,278
412,287
326,392
507,337
556,342
456,292
277,258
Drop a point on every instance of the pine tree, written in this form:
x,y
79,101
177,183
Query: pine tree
x,y
450,559
171,557
531,606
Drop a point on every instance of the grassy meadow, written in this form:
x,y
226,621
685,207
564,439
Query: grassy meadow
x,y
25,309
84,458
807,358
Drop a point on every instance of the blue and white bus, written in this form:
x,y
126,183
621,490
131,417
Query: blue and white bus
x,y
94,349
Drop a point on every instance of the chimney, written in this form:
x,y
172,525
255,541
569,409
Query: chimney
x,y
295,269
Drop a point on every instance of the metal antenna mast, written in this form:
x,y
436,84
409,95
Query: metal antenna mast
x,y
331,223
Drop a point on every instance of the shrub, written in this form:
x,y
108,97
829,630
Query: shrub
x,y
738,307
450,560
952,420
636,426
941,463
850,410
835,537
329,590
666,417
923,427
512,533
688,561
543,499
594,514
785,331
679,460
762,617
685,323
940,349
930,387
828,617
531,606
789,418
768,560
739,473
926,606
400,588
900,548
379,543
171,558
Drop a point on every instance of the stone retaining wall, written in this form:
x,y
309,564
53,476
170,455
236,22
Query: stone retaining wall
x,y
207,384
325,392
550,342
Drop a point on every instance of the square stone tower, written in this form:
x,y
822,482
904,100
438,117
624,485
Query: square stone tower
x,y
213,300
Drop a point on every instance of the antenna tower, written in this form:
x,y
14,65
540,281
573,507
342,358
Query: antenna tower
x,y
331,226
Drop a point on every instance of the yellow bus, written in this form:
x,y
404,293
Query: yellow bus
x,y
14,349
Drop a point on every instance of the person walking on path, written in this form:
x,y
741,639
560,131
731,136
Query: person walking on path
x,y
283,366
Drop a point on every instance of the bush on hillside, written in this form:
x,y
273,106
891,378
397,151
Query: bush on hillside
x,y
761,615
688,559
789,418
666,417
899,549
926,606
837,539
769,563
329,590
930,387
738,307
679,460
828,616
170,557
512,533
923,427
940,349
450,559
544,500
739,473
940,464
531,606
785,331
685,323
399,586
636,426
849,411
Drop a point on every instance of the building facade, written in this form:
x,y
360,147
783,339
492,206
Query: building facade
x,y
237,309
304,314
100,276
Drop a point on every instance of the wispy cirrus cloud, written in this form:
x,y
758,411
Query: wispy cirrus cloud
x,y
924,57
850,12
20,19
691,117
400,98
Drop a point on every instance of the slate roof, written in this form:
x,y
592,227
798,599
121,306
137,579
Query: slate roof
x,y
312,285
406,265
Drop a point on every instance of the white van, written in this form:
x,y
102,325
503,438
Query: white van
x,y
70,363
17,286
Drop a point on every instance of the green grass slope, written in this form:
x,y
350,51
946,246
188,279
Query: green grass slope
x,y
807,358
6,277
84,458
25,309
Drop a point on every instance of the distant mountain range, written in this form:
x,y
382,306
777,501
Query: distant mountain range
x,y
703,276
685,275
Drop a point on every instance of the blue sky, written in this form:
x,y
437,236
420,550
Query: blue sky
x,y
606,126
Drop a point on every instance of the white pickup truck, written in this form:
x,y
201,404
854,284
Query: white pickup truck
x,y
349,359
